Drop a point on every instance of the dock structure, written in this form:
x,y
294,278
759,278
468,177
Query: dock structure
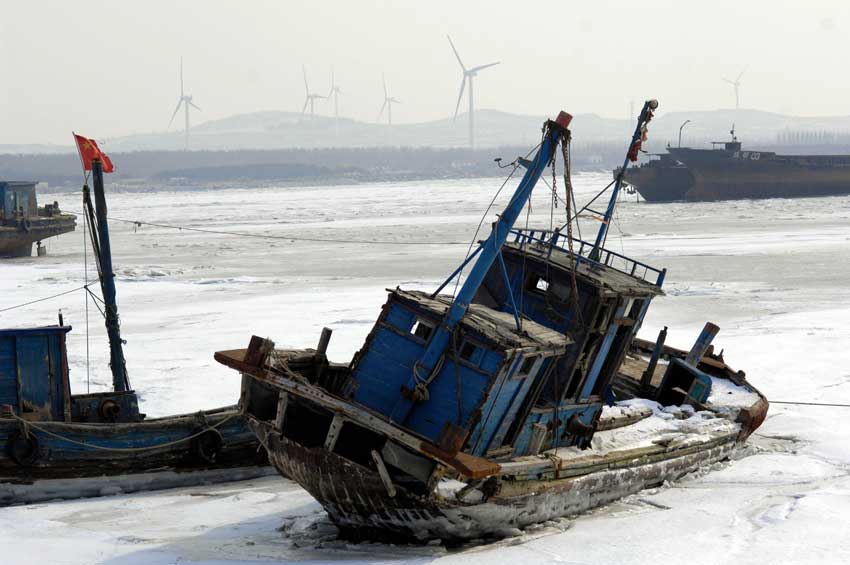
x,y
23,222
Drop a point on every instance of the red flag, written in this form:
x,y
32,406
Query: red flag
x,y
89,150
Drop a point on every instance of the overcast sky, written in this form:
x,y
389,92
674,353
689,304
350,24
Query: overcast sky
x,y
110,68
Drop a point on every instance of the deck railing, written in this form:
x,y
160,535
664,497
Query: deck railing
x,y
557,240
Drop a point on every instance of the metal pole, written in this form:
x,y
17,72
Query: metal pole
x,y
648,106
490,251
471,115
686,122
120,381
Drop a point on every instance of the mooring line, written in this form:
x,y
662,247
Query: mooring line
x,y
290,238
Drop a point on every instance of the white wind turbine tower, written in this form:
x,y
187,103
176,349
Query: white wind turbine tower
x,y
311,97
185,100
468,74
388,104
736,84
335,92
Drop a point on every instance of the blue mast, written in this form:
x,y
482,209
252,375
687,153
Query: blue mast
x,y
120,380
490,251
634,146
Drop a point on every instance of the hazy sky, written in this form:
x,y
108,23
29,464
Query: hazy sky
x,y
110,68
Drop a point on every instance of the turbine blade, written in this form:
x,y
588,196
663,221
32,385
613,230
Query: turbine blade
x,y
181,76
727,80
480,67
177,109
456,54
740,75
384,79
460,96
381,113
306,87
192,104
331,91
306,103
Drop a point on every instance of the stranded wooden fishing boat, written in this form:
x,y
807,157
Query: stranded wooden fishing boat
x,y
523,399
55,444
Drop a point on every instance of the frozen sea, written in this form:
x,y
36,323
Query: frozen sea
x,y
772,274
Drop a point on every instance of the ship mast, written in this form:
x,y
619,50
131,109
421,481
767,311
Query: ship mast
x,y
103,254
490,251
640,130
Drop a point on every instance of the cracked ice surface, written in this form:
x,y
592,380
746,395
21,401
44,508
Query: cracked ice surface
x,y
772,274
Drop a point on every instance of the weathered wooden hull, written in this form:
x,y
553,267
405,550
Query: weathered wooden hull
x,y
218,439
358,502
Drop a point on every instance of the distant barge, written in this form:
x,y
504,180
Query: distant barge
x,y
727,172
23,223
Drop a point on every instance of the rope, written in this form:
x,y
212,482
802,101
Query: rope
x,y
35,426
85,286
290,238
568,187
86,298
809,403
481,222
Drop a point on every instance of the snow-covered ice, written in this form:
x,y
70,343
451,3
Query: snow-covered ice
x,y
772,274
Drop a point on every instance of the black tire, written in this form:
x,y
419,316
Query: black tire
x,y
26,224
207,446
23,449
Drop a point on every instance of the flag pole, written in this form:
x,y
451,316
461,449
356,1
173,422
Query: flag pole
x,y
117,363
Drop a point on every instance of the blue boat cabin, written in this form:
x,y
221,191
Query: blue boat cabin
x,y
34,381
34,373
530,364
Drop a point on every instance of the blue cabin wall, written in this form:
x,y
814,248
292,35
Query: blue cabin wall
x,y
8,372
385,364
602,333
33,377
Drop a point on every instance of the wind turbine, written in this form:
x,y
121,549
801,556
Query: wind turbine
x,y
468,74
736,84
388,104
185,100
335,92
311,97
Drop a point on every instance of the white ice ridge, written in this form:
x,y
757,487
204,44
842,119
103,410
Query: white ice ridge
x,y
679,423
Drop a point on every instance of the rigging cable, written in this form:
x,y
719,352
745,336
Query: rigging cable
x,y
487,211
86,271
44,298
289,238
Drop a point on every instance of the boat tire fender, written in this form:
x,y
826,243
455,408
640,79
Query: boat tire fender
x,y
23,449
207,445
26,224
109,410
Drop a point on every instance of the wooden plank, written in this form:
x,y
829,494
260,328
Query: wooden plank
x,y
467,465
333,432
280,416
382,472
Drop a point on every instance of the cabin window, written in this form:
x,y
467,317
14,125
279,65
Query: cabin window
x,y
422,330
467,351
538,284
470,353
527,365
541,285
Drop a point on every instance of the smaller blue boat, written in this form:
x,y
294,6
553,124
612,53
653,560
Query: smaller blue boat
x,y
56,444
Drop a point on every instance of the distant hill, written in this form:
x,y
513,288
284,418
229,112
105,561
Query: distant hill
x,y
290,147
286,130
